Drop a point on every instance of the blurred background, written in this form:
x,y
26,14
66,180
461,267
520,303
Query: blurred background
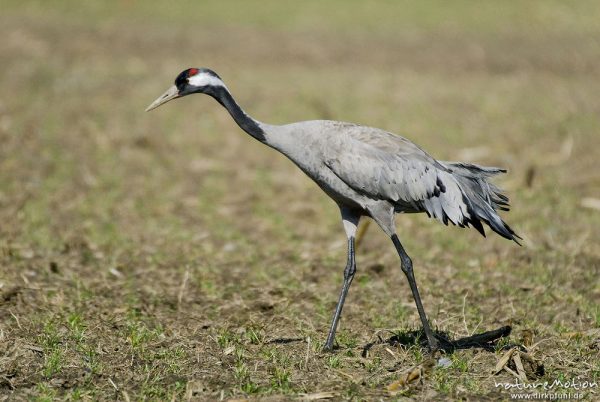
x,y
112,215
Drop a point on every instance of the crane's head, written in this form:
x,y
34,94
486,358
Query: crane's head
x,y
190,81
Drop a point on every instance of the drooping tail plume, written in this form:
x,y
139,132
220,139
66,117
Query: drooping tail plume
x,y
482,197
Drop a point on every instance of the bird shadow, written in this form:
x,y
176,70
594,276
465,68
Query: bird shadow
x,y
283,341
488,340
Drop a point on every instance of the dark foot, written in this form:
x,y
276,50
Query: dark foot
x,y
442,342
486,340
328,347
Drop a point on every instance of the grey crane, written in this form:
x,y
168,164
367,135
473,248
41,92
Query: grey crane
x,y
373,173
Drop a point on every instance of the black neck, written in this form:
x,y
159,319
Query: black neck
x,y
245,122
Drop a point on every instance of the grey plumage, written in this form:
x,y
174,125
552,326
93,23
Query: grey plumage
x,y
369,168
369,172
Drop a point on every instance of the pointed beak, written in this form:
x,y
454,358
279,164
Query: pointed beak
x,y
172,93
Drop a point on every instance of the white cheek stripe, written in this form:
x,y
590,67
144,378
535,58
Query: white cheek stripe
x,y
203,79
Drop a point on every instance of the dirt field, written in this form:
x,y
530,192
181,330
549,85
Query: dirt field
x,y
169,256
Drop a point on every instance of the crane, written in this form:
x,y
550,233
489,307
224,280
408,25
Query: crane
x,y
372,173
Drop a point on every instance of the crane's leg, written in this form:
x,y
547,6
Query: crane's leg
x,y
350,219
406,264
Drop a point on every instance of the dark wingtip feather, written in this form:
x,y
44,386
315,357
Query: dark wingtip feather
x,y
513,234
502,228
478,226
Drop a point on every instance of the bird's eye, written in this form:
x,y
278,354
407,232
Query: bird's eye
x,y
182,79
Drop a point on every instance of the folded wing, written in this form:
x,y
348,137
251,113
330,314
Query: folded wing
x,y
384,166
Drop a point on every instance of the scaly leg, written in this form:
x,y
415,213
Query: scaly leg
x,y
350,220
407,268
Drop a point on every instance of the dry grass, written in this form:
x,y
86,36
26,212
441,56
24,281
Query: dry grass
x,y
168,256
